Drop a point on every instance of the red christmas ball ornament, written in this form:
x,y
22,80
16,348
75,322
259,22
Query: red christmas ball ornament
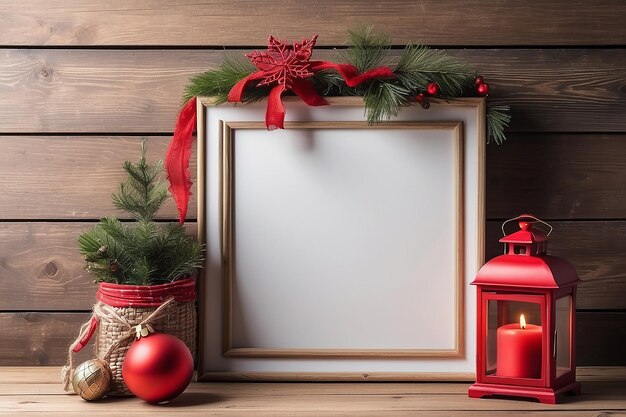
x,y
157,367
479,80
432,89
483,89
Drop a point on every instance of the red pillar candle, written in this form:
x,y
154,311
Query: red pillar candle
x,y
519,350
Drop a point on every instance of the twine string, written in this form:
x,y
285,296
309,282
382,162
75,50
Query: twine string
x,y
105,312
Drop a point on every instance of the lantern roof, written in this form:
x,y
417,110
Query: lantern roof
x,y
526,235
543,271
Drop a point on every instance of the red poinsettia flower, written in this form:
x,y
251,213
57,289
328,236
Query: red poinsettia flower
x,y
283,63
287,67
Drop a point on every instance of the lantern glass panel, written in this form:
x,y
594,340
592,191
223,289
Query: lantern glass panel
x,y
513,350
563,335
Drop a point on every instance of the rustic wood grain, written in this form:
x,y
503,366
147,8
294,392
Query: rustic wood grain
x,y
601,373
556,90
95,91
211,22
42,338
589,184
600,338
72,177
41,268
139,409
559,176
597,250
373,399
552,90
48,375
38,338
302,400
201,406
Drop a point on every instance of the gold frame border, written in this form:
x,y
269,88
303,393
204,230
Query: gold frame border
x,y
226,157
204,375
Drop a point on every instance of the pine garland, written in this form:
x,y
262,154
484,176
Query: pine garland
x,y
367,49
383,99
217,82
139,253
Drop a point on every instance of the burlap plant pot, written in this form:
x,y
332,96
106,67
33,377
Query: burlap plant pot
x,y
167,308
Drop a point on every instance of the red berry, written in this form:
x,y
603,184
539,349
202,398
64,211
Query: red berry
x,y
483,89
420,98
432,89
479,80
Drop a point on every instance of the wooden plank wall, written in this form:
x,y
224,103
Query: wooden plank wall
x,y
81,82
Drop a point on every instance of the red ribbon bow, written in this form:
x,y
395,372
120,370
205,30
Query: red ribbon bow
x,y
286,68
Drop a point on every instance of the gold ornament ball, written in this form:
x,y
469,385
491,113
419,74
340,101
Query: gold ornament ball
x,y
91,379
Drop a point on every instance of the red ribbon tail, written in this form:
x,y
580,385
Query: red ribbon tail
x,y
178,155
350,74
83,342
235,95
305,90
275,112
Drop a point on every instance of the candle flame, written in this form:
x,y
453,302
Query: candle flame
x,y
522,322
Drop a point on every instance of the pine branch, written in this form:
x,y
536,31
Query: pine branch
x,y
218,82
367,49
143,193
498,118
114,229
182,257
106,255
187,259
140,253
330,83
384,99
419,65
89,244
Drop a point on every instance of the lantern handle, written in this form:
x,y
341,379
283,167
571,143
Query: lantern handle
x,y
522,216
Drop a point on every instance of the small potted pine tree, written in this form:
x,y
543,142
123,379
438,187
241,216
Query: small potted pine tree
x,y
144,270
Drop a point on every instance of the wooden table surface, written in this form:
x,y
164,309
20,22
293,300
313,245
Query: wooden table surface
x,y
28,391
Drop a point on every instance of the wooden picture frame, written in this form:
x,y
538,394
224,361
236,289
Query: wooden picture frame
x,y
226,156
236,351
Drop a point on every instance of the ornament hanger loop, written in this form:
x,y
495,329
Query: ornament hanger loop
x,y
527,216
143,330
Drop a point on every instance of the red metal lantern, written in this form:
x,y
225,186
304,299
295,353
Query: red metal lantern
x,y
526,319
